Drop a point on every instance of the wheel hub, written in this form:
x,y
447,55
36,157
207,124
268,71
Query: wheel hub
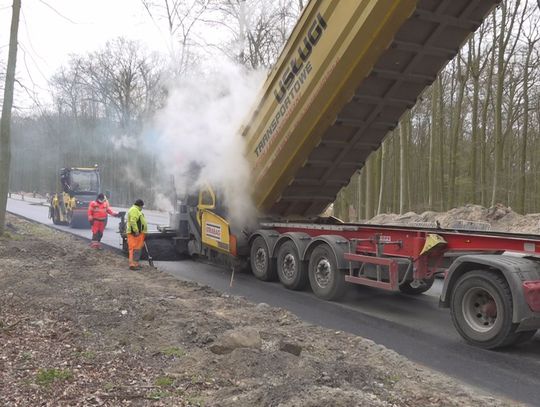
x,y
479,309
323,272
416,283
260,259
289,266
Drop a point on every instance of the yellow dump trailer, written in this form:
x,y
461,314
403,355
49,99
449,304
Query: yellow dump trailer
x,y
350,69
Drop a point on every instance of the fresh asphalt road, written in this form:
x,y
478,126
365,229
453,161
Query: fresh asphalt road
x,y
36,209
413,326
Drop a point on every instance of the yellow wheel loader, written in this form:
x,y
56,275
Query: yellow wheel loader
x,y
76,188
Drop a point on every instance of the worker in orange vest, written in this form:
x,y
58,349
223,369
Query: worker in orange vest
x,y
97,216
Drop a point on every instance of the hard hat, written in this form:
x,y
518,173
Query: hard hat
x,y
139,202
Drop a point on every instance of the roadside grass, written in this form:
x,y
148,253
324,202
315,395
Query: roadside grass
x,y
45,377
26,356
109,386
10,236
158,394
173,351
164,381
88,354
193,400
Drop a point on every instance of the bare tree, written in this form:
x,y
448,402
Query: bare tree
x,y
381,175
532,36
257,28
102,101
506,43
181,18
5,120
455,128
404,137
125,80
476,64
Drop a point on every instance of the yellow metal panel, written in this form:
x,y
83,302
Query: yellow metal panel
x,y
350,69
215,231
343,39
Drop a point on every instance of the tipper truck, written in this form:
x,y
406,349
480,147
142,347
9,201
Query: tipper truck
x,y
348,72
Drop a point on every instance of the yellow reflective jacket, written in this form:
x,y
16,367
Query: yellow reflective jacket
x,y
136,221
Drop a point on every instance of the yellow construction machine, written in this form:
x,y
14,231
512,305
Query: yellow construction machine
x,y
348,72
76,188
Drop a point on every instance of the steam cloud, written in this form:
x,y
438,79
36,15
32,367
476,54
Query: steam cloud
x,y
200,126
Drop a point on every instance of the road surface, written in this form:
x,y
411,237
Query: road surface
x,y
413,326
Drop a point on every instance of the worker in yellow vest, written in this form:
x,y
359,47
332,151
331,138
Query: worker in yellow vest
x,y
136,228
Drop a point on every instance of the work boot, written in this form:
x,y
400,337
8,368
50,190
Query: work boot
x,y
134,267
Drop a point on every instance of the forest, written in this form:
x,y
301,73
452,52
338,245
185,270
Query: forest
x,y
472,138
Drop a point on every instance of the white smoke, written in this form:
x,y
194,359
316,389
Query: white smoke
x,y
201,125
124,141
162,203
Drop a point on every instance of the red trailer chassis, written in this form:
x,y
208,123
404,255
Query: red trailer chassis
x,y
492,280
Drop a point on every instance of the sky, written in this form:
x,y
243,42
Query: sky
x,y
51,30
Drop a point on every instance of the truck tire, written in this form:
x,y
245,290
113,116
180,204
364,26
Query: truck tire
x,y
53,214
481,308
262,265
426,284
326,280
292,271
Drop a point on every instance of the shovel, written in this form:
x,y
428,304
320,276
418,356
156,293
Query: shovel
x,y
150,260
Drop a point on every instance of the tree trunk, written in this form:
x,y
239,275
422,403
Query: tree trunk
x,y
440,125
508,18
525,133
395,176
474,67
370,182
363,192
408,148
403,129
5,120
381,177
455,132
432,138
483,128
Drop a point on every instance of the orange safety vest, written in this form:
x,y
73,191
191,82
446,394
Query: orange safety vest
x,y
99,210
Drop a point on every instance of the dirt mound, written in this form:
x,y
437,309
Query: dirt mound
x,y
77,328
469,217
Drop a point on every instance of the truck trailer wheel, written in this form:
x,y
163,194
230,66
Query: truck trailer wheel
x,y
416,288
262,265
481,308
292,272
326,280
